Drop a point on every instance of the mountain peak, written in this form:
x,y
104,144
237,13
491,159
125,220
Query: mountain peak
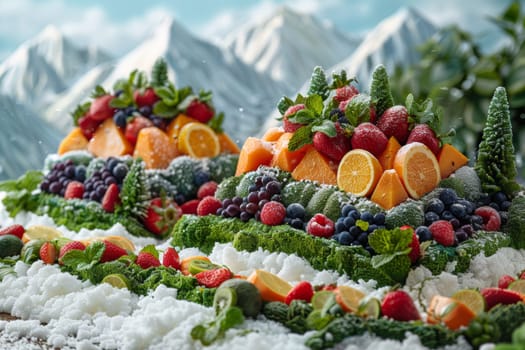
x,y
50,32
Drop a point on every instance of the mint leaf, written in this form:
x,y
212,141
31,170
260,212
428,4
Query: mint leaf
x,y
300,138
28,181
99,91
304,116
73,258
216,123
384,241
383,259
150,249
161,109
80,111
95,251
327,127
357,110
284,104
315,103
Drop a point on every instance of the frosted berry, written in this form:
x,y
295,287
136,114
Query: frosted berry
x,y
443,232
209,205
320,226
273,213
207,189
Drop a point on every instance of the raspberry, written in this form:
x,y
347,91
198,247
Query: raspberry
x,y
504,281
302,291
74,189
320,226
273,213
207,189
287,125
208,205
443,232
190,207
491,218
147,260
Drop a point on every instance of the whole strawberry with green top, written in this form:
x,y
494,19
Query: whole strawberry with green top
x,y
423,133
394,122
161,215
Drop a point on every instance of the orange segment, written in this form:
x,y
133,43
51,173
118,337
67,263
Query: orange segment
x,y
227,144
349,298
450,160
315,167
452,313
387,157
198,140
358,172
271,287
176,124
417,168
74,141
389,191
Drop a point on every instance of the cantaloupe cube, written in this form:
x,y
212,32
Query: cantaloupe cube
x,y
450,160
389,190
176,124
74,141
285,159
316,167
387,157
155,147
227,144
273,133
109,141
254,152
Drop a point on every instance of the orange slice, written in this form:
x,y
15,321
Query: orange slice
x,y
349,298
358,172
271,287
417,168
198,140
451,312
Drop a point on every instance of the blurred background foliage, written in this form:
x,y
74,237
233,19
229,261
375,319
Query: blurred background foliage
x,y
459,76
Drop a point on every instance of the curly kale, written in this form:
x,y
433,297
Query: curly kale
x,y
134,193
380,90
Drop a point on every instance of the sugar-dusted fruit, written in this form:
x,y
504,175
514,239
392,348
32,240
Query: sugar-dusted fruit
x,y
285,159
227,145
315,167
387,157
149,142
450,160
109,141
174,127
359,172
389,190
273,133
254,152
417,168
198,140
74,141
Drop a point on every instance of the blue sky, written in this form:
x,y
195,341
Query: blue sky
x,y
118,25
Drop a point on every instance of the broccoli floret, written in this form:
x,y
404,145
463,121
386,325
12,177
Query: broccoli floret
x,y
409,212
222,166
364,204
516,222
227,187
340,328
437,257
455,184
486,242
508,318
470,180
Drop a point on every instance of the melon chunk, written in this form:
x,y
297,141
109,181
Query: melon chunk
x,y
389,190
176,124
316,167
273,133
285,159
155,148
109,141
227,144
74,141
450,160
254,152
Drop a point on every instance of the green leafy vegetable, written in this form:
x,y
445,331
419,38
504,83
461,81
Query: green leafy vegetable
x,y
209,332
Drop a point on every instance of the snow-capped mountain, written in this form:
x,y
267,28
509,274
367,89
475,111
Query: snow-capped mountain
x,y
25,139
244,95
44,66
287,45
393,41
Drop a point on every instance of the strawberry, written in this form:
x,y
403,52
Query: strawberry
x,y
443,232
112,252
399,306
200,110
424,134
491,218
190,207
345,93
333,147
301,291
73,245
273,213
369,137
100,108
394,122
320,226
504,281
88,126
74,189
111,198
494,296
207,189
171,258
147,260
134,126
213,278
148,97
522,275
415,252
15,230
290,112
208,206
161,215
48,253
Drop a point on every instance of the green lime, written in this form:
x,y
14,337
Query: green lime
x,y
370,308
320,297
225,297
117,280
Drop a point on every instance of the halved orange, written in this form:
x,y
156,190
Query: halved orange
x,y
358,172
198,140
349,298
271,287
451,312
417,168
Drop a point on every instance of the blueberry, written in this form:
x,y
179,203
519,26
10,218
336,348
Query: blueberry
x,y
447,215
276,198
80,173
435,205
431,217
180,198
295,211
484,199
273,187
340,226
505,205
494,205
477,221
120,118
455,223
461,235
130,110
469,206
201,177
266,179
159,122
347,208
355,231
110,180
349,222
244,216
120,171
145,111
468,229
371,228
423,233
354,214
297,223
345,238
504,216
458,210
363,238
499,197
367,216
111,163
448,196
379,219
252,188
